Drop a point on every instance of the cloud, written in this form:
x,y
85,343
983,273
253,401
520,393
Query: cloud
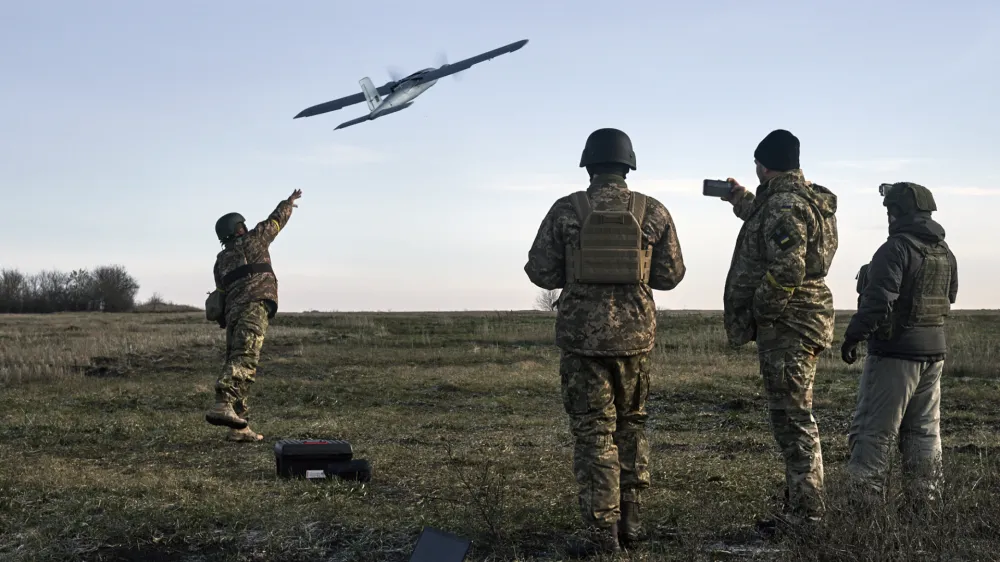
x,y
544,183
556,183
874,164
969,191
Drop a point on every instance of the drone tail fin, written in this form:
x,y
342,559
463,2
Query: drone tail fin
x,y
371,93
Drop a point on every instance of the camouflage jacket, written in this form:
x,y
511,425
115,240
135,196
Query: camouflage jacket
x,y
251,248
605,319
779,267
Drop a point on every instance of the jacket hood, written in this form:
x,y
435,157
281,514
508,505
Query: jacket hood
x,y
920,225
795,182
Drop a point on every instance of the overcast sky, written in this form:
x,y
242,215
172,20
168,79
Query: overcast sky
x,y
128,128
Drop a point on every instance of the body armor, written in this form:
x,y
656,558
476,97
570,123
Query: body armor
x,y
923,301
610,244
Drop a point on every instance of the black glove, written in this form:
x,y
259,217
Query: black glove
x,y
849,351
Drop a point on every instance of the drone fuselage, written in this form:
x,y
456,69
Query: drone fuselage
x,y
406,91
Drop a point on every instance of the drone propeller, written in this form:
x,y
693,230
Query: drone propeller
x,y
395,73
443,60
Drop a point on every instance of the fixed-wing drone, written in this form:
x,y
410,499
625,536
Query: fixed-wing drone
x,y
397,95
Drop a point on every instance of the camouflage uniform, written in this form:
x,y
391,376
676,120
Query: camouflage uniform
x,y
606,333
776,295
250,303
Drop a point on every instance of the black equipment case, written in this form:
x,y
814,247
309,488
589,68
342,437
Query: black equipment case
x,y
319,459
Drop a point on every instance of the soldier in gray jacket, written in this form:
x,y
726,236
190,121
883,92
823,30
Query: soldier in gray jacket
x,y
905,294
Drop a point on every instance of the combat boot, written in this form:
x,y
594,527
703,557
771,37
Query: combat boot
x,y
244,435
596,540
630,529
222,413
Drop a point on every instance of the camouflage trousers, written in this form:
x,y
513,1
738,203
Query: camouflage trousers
x,y
605,398
788,367
900,398
245,329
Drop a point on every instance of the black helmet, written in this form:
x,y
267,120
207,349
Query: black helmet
x,y
607,146
907,198
225,227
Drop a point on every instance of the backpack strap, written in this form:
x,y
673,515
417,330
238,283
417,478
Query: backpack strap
x,y
918,244
581,203
637,206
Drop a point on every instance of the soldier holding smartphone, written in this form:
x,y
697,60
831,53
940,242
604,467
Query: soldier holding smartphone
x,y
776,294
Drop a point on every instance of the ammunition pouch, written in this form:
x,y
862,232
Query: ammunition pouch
x,y
862,278
884,329
215,304
610,249
215,308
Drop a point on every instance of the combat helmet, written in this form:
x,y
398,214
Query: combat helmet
x,y
225,227
607,146
906,198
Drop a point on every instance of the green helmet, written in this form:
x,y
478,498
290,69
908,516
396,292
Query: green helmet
x,y
225,227
907,198
606,146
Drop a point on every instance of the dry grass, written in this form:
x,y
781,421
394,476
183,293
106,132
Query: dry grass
x,y
106,455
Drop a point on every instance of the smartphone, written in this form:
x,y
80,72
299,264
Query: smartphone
x,y
716,188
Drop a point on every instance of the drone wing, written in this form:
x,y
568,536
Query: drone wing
x,y
449,69
342,102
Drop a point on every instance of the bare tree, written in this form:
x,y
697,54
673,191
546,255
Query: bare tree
x,y
155,302
12,295
547,299
108,288
116,288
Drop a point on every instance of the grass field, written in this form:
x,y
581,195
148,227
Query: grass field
x,y
105,455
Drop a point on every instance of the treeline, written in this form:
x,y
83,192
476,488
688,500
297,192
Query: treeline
x,y
105,289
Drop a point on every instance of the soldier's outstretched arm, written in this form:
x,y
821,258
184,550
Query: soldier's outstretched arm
x,y
546,265
785,238
743,204
667,268
885,275
741,199
269,228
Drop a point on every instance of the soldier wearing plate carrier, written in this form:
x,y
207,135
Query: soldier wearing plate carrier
x,y
905,293
244,301
607,248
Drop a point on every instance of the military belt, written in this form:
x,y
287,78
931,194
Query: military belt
x,y
245,271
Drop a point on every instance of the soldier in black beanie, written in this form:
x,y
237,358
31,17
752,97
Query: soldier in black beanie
x,y
776,295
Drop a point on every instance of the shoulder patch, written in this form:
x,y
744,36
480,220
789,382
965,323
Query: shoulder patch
x,y
784,237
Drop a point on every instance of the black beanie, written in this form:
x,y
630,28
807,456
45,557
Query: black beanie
x,y
779,151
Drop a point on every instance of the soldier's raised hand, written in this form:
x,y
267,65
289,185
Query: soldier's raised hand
x,y
295,195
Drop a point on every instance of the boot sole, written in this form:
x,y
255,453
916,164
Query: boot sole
x,y
226,422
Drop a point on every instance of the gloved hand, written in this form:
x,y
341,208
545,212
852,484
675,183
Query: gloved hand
x,y
849,351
